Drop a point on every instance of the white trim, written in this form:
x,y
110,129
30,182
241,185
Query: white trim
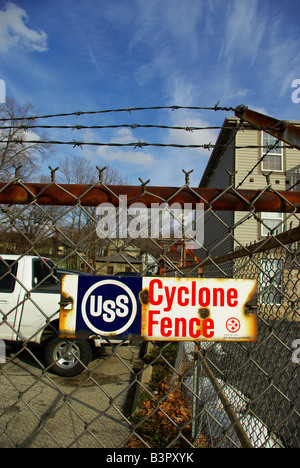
x,y
265,216
279,154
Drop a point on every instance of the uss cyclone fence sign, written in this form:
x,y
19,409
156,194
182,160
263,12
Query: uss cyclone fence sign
x,y
158,308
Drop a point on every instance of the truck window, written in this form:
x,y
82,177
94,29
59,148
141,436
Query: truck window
x,y
42,274
8,271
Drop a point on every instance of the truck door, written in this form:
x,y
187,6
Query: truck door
x,y
11,294
42,301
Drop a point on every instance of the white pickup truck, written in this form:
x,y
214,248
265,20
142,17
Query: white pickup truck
x,y
29,312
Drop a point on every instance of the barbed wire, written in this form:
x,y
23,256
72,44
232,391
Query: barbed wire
x,y
188,128
216,107
92,127
136,144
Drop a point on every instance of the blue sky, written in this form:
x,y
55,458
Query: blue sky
x,y
68,55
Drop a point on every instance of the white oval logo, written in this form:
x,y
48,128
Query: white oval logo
x,y
108,307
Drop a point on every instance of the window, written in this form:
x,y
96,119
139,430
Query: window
x,y
8,271
43,274
110,270
272,223
271,281
273,161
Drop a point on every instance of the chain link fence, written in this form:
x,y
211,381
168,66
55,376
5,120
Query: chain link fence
x,y
131,393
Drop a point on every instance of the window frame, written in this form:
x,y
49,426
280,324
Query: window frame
x,y
264,218
48,276
270,153
8,278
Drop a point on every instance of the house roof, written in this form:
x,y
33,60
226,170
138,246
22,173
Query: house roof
x,y
227,133
230,124
119,258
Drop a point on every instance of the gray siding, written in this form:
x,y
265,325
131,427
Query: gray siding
x,y
217,238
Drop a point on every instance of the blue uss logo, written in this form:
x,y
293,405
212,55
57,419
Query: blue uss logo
x,y
108,307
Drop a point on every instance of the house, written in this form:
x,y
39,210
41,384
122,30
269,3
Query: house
x,y
248,158
126,257
56,247
238,159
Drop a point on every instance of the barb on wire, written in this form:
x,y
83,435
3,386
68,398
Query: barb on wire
x,y
78,143
101,171
143,185
187,176
140,144
53,173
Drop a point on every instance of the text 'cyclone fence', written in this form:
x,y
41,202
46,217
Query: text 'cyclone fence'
x,y
136,394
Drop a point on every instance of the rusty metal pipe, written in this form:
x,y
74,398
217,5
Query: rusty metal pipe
x,y
282,130
87,195
273,242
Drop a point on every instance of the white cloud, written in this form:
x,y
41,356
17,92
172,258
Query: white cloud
x,y
245,28
124,135
193,137
261,110
137,157
239,93
15,33
186,94
165,38
283,56
158,25
29,135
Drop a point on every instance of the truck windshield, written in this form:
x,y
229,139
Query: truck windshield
x,y
8,271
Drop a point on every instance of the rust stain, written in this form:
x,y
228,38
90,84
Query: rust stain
x,y
144,296
249,312
66,310
144,299
203,313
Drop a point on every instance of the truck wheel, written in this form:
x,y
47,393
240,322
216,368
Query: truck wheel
x,y
67,357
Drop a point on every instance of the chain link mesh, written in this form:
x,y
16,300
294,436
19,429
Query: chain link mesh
x,y
139,394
